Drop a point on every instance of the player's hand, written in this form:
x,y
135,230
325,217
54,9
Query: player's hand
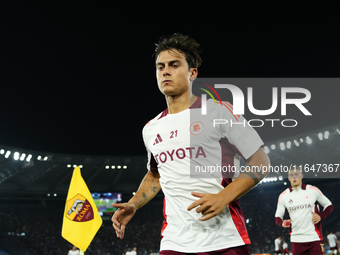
x,y
316,218
286,223
210,204
122,217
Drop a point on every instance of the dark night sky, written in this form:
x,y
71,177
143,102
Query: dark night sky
x,y
80,78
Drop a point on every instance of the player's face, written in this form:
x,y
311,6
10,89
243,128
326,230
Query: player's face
x,y
295,178
173,74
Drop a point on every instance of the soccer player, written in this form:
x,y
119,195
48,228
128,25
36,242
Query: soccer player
x,y
277,244
333,242
201,210
301,202
73,251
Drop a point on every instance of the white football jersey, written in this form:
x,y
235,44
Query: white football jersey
x,y
332,240
191,154
277,244
76,252
300,203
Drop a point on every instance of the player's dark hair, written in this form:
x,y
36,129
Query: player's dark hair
x,y
183,44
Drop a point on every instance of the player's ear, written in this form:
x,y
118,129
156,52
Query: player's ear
x,y
193,74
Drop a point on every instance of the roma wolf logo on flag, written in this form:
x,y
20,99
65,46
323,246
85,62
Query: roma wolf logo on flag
x,y
81,219
79,209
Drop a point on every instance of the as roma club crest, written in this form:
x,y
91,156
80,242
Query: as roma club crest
x,y
196,128
79,209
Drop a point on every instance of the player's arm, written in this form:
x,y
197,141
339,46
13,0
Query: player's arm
x,y
325,203
257,169
147,190
211,205
280,211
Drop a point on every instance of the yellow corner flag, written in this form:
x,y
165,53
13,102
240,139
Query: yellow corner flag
x,y
81,219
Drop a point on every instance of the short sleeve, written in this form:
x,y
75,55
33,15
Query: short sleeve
x,y
239,133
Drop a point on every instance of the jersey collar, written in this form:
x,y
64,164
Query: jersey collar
x,y
303,187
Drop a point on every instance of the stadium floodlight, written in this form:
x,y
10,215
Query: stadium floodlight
x,y
48,194
273,147
80,166
74,166
264,180
337,130
2,151
119,167
282,146
309,141
124,167
247,220
22,157
28,159
275,178
39,157
107,167
285,183
301,140
45,158
296,143
289,144
69,165
133,193
16,155
113,167
266,149
326,135
320,135
280,178
7,154
55,194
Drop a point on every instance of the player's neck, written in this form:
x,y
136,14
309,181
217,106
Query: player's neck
x,y
297,186
180,103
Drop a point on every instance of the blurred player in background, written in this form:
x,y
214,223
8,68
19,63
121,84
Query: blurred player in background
x,y
333,243
217,225
301,202
134,251
277,244
73,251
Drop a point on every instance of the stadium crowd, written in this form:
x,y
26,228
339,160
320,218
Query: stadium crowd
x,y
34,228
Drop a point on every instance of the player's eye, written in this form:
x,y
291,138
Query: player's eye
x,y
160,67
